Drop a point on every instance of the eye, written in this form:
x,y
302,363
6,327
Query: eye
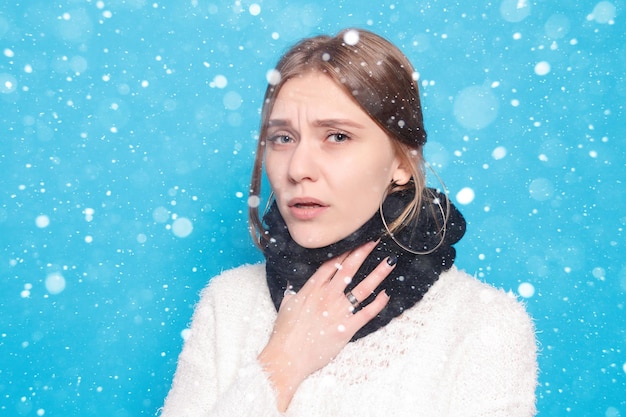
x,y
338,137
280,139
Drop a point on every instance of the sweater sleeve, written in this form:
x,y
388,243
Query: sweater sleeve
x,y
496,364
211,381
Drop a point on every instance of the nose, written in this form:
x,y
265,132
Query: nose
x,y
303,165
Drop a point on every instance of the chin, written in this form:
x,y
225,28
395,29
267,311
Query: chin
x,y
312,242
309,239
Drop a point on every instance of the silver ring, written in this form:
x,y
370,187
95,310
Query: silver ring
x,y
289,291
353,300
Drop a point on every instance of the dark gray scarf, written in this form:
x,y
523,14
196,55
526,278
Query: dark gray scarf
x,y
288,262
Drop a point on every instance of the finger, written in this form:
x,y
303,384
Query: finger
x,y
287,295
373,280
352,262
325,272
367,313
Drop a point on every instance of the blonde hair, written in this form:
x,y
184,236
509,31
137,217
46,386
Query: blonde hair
x,y
380,79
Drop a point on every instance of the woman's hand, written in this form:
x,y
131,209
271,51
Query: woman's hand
x,y
315,324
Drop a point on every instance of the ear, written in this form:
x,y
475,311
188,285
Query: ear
x,y
401,175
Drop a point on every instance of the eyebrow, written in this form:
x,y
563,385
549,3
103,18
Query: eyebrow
x,y
320,123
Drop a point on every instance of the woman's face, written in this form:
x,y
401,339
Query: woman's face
x,y
327,161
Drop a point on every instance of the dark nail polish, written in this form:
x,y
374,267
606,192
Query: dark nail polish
x,y
391,261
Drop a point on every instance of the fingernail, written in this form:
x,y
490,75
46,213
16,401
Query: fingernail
x,y
391,261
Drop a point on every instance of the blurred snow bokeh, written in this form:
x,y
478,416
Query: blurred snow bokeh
x,y
128,135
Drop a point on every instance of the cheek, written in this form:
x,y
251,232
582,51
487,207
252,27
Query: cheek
x,y
376,179
272,170
365,192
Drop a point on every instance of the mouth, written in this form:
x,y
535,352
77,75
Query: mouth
x,y
306,208
304,203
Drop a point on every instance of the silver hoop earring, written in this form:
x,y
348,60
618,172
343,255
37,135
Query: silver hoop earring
x,y
442,231
270,200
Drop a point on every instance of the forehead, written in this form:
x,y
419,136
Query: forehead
x,y
310,83
317,92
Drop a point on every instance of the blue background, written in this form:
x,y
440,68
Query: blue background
x,y
127,135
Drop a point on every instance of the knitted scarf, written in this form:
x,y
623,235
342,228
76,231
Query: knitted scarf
x,y
288,263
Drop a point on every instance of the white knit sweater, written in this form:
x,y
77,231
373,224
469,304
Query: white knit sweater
x,y
466,349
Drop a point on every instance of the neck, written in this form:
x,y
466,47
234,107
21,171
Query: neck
x,y
289,264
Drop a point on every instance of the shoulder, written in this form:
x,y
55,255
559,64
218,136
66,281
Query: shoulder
x,y
476,294
231,302
478,305
489,325
232,287
485,322
242,278
495,346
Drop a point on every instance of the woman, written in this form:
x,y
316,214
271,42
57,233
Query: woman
x,y
358,309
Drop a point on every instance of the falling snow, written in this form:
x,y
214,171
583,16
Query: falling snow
x,y
351,37
182,227
129,129
465,196
476,107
